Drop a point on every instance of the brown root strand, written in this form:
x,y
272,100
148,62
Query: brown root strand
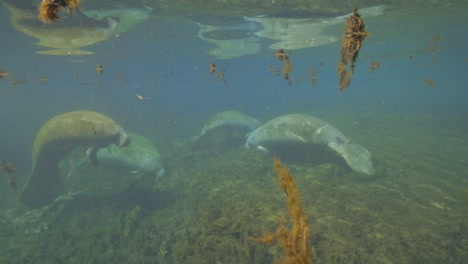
x,y
351,43
49,9
293,241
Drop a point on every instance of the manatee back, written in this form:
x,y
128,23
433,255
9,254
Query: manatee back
x,y
294,128
63,132
230,119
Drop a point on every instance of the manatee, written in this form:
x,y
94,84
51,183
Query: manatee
x,y
56,138
227,121
66,36
140,156
304,129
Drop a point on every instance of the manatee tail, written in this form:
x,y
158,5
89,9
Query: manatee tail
x,y
42,188
358,158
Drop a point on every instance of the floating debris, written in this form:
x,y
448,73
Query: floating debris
x,y
313,76
42,80
287,65
281,55
287,68
374,65
121,78
12,183
212,68
15,81
429,82
99,69
9,169
352,40
274,70
220,76
434,48
3,74
141,97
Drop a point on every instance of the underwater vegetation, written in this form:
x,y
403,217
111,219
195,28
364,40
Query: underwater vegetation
x,y
49,9
295,242
287,65
8,168
210,203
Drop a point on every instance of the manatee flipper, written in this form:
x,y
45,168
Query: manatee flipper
x,y
263,149
358,158
91,155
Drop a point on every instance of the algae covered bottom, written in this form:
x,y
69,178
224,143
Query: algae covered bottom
x,y
205,210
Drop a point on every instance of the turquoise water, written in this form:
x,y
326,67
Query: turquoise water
x,y
410,113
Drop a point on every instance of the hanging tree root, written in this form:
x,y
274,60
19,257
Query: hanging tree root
x,y
294,241
353,37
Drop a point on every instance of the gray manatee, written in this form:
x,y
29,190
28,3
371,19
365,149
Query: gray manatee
x,y
227,121
304,129
141,155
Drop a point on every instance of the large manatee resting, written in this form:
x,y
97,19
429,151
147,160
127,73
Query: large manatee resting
x,y
58,137
304,129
